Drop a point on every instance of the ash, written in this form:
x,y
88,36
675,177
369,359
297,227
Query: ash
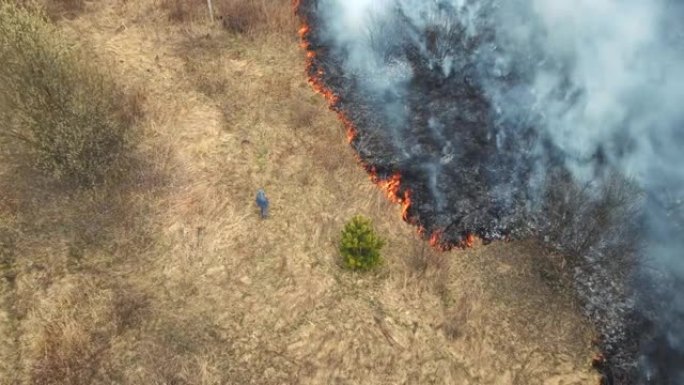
x,y
436,96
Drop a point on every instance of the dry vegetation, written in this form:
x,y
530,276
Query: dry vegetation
x,y
170,277
56,10
236,16
62,116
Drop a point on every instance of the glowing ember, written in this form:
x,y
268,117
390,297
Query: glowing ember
x,y
598,359
444,114
435,240
469,240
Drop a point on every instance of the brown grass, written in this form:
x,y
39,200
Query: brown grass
x,y
64,117
175,279
237,16
182,10
59,9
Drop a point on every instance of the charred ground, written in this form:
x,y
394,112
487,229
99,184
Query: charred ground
x,y
171,277
460,167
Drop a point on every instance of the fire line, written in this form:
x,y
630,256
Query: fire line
x,y
391,186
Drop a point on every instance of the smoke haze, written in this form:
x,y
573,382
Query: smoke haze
x,y
481,104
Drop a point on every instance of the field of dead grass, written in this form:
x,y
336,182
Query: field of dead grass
x,y
175,279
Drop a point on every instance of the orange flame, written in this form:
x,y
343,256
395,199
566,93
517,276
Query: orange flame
x,y
392,185
315,76
469,240
436,241
393,190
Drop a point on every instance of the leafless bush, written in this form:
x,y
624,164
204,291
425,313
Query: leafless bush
x,y
240,17
434,267
183,10
7,253
455,319
63,8
61,116
237,16
598,222
54,9
244,16
597,229
201,73
423,260
302,114
69,345
68,357
75,340
130,306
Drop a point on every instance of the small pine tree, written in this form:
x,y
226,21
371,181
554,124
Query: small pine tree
x,y
360,245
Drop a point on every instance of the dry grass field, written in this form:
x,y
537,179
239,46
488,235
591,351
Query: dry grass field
x,y
172,278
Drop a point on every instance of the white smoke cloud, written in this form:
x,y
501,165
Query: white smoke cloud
x,y
628,79
603,80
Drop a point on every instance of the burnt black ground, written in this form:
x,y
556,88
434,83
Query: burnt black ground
x,y
472,170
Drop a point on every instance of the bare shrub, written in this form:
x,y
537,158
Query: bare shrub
x,y
54,9
320,153
240,16
61,116
130,306
244,16
432,266
68,356
455,319
75,329
598,231
63,8
599,221
72,334
200,71
7,253
88,329
423,259
237,16
302,115
182,10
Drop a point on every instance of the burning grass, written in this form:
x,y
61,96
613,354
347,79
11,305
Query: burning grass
x,y
390,184
582,224
202,291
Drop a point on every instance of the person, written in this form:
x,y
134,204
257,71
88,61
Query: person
x,y
262,202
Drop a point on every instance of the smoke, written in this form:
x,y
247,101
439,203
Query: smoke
x,y
620,66
558,119
607,79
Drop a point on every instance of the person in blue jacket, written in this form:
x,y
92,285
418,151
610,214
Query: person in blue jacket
x,y
262,202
